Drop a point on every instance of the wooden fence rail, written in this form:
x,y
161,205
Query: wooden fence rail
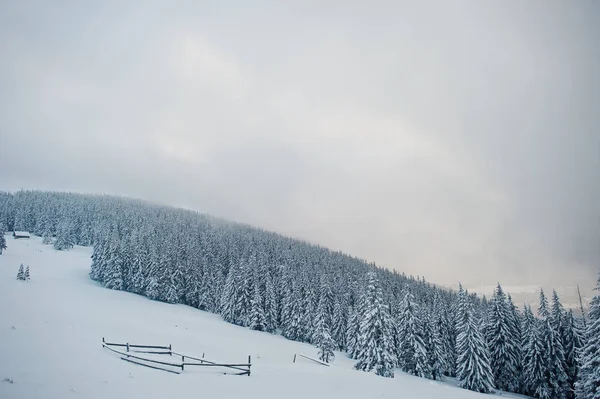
x,y
244,368
128,345
150,366
310,358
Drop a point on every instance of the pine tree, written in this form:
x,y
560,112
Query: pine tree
x,y
554,357
168,291
47,233
436,351
236,296
573,343
413,357
514,322
324,311
27,276
322,337
307,310
472,363
64,239
376,350
502,340
140,266
588,383
271,308
46,237
557,314
534,367
257,319
339,325
443,327
113,275
291,314
2,238
21,273
353,332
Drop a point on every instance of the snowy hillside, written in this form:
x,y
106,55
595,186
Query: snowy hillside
x,y
50,343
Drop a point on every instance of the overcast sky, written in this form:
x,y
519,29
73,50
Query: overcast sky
x,y
453,140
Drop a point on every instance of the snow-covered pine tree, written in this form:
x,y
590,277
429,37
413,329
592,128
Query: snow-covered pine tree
x,y
339,324
168,288
325,343
473,369
27,276
307,310
256,316
436,352
230,293
271,308
573,343
215,283
534,368
140,266
46,237
64,239
443,326
97,267
353,331
324,307
2,238
413,357
376,350
21,273
557,313
236,296
588,383
47,232
285,294
291,313
322,336
113,276
514,321
243,300
554,356
503,342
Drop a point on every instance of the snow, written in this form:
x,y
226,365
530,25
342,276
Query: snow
x,y
51,329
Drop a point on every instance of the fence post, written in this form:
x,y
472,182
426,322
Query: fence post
x,y
294,358
249,364
127,346
170,353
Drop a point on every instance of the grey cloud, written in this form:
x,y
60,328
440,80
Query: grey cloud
x,y
451,140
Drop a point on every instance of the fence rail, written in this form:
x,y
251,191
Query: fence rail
x,y
150,366
310,358
244,368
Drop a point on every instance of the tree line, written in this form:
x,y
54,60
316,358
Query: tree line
x,y
268,282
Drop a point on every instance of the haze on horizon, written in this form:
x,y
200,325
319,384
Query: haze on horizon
x,y
451,140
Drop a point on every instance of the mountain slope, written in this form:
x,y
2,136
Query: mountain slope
x,y
51,329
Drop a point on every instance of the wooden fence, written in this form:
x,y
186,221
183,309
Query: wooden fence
x,y
171,367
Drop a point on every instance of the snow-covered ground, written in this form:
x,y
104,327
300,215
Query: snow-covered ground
x,y
51,330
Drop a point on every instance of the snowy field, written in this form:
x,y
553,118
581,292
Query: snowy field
x,y
51,330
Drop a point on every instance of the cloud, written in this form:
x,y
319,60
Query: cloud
x,y
459,144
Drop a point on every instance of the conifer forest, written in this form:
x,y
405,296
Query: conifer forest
x,y
383,319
